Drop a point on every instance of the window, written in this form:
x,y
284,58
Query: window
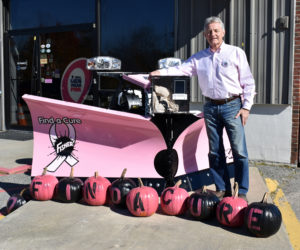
x,y
40,13
139,33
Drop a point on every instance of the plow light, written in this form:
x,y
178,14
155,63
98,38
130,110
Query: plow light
x,y
169,62
103,63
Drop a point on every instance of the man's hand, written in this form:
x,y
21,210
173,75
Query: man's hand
x,y
244,113
154,73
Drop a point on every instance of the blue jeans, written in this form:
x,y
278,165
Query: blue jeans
x,y
216,118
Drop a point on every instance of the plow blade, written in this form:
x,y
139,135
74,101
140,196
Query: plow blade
x,y
95,139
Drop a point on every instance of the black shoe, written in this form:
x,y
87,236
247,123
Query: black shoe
x,y
227,193
243,196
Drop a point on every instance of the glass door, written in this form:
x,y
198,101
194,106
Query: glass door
x,y
20,77
56,52
37,64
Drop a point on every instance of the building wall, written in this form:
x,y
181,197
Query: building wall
x,y
270,50
252,25
268,137
274,56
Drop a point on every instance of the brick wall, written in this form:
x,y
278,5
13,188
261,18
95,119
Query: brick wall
x,y
296,90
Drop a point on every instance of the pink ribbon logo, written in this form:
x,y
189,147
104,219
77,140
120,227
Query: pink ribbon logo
x,y
64,146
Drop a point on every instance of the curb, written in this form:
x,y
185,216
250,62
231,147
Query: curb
x,y
16,170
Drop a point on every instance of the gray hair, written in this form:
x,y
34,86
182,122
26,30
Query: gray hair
x,y
213,19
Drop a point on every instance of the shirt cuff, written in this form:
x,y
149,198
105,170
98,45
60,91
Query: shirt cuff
x,y
247,105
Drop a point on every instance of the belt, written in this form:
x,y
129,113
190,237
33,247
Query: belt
x,y
221,101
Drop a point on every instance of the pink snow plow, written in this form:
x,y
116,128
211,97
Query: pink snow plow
x,y
150,145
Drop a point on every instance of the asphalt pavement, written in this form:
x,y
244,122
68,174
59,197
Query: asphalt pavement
x,y
52,224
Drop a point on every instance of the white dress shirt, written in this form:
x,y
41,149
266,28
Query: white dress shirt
x,y
221,74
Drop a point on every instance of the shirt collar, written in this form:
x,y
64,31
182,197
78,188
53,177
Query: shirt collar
x,y
219,49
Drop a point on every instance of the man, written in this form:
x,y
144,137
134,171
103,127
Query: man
x,y
227,83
